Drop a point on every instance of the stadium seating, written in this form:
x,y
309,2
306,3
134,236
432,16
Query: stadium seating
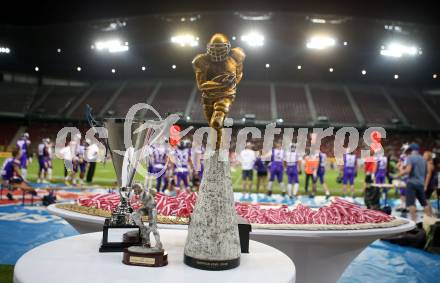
x,y
409,103
331,101
57,100
373,105
68,102
97,98
172,97
252,98
292,104
134,92
18,96
8,131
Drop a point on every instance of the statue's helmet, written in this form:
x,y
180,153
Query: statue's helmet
x,y
218,47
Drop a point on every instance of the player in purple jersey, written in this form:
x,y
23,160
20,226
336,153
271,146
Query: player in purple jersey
x,y
321,173
276,169
23,145
381,168
198,152
11,174
349,172
181,158
159,161
261,168
293,169
42,161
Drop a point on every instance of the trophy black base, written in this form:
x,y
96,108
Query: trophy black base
x,y
128,239
148,258
214,265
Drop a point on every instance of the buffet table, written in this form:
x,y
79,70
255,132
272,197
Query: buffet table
x,y
320,256
76,259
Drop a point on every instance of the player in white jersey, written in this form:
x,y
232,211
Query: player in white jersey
x,y
247,159
293,165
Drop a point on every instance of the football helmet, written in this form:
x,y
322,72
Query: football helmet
x,y
218,47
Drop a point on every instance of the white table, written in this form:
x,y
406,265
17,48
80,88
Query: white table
x,y
320,256
76,259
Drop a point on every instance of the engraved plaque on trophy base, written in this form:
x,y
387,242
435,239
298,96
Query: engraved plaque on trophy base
x,y
143,256
211,264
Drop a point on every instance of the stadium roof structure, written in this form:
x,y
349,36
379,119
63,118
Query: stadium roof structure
x,y
57,41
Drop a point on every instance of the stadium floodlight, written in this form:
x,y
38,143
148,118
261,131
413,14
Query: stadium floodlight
x,y
363,72
143,68
321,42
234,37
253,39
299,67
330,70
5,50
398,50
111,46
396,76
78,69
185,40
59,50
434,76
113,70
345,43
36,69
174,67
318,21
267,65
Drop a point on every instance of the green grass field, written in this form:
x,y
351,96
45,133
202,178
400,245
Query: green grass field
x,y
105,176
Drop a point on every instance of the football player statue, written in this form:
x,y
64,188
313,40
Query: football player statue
x,y
148,207
209,245
218,71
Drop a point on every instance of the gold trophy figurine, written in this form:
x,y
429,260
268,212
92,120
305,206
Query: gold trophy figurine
x,y
218,71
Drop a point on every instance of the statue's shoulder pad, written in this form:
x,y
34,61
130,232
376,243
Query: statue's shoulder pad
x,y
238,54
200,60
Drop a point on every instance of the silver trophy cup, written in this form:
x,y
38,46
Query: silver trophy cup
x,y
127,149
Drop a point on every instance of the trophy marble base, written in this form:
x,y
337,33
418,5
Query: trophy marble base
x,y
125,240
145,256
211,264
213,241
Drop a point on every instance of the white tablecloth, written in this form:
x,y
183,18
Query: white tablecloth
x,y
76,259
